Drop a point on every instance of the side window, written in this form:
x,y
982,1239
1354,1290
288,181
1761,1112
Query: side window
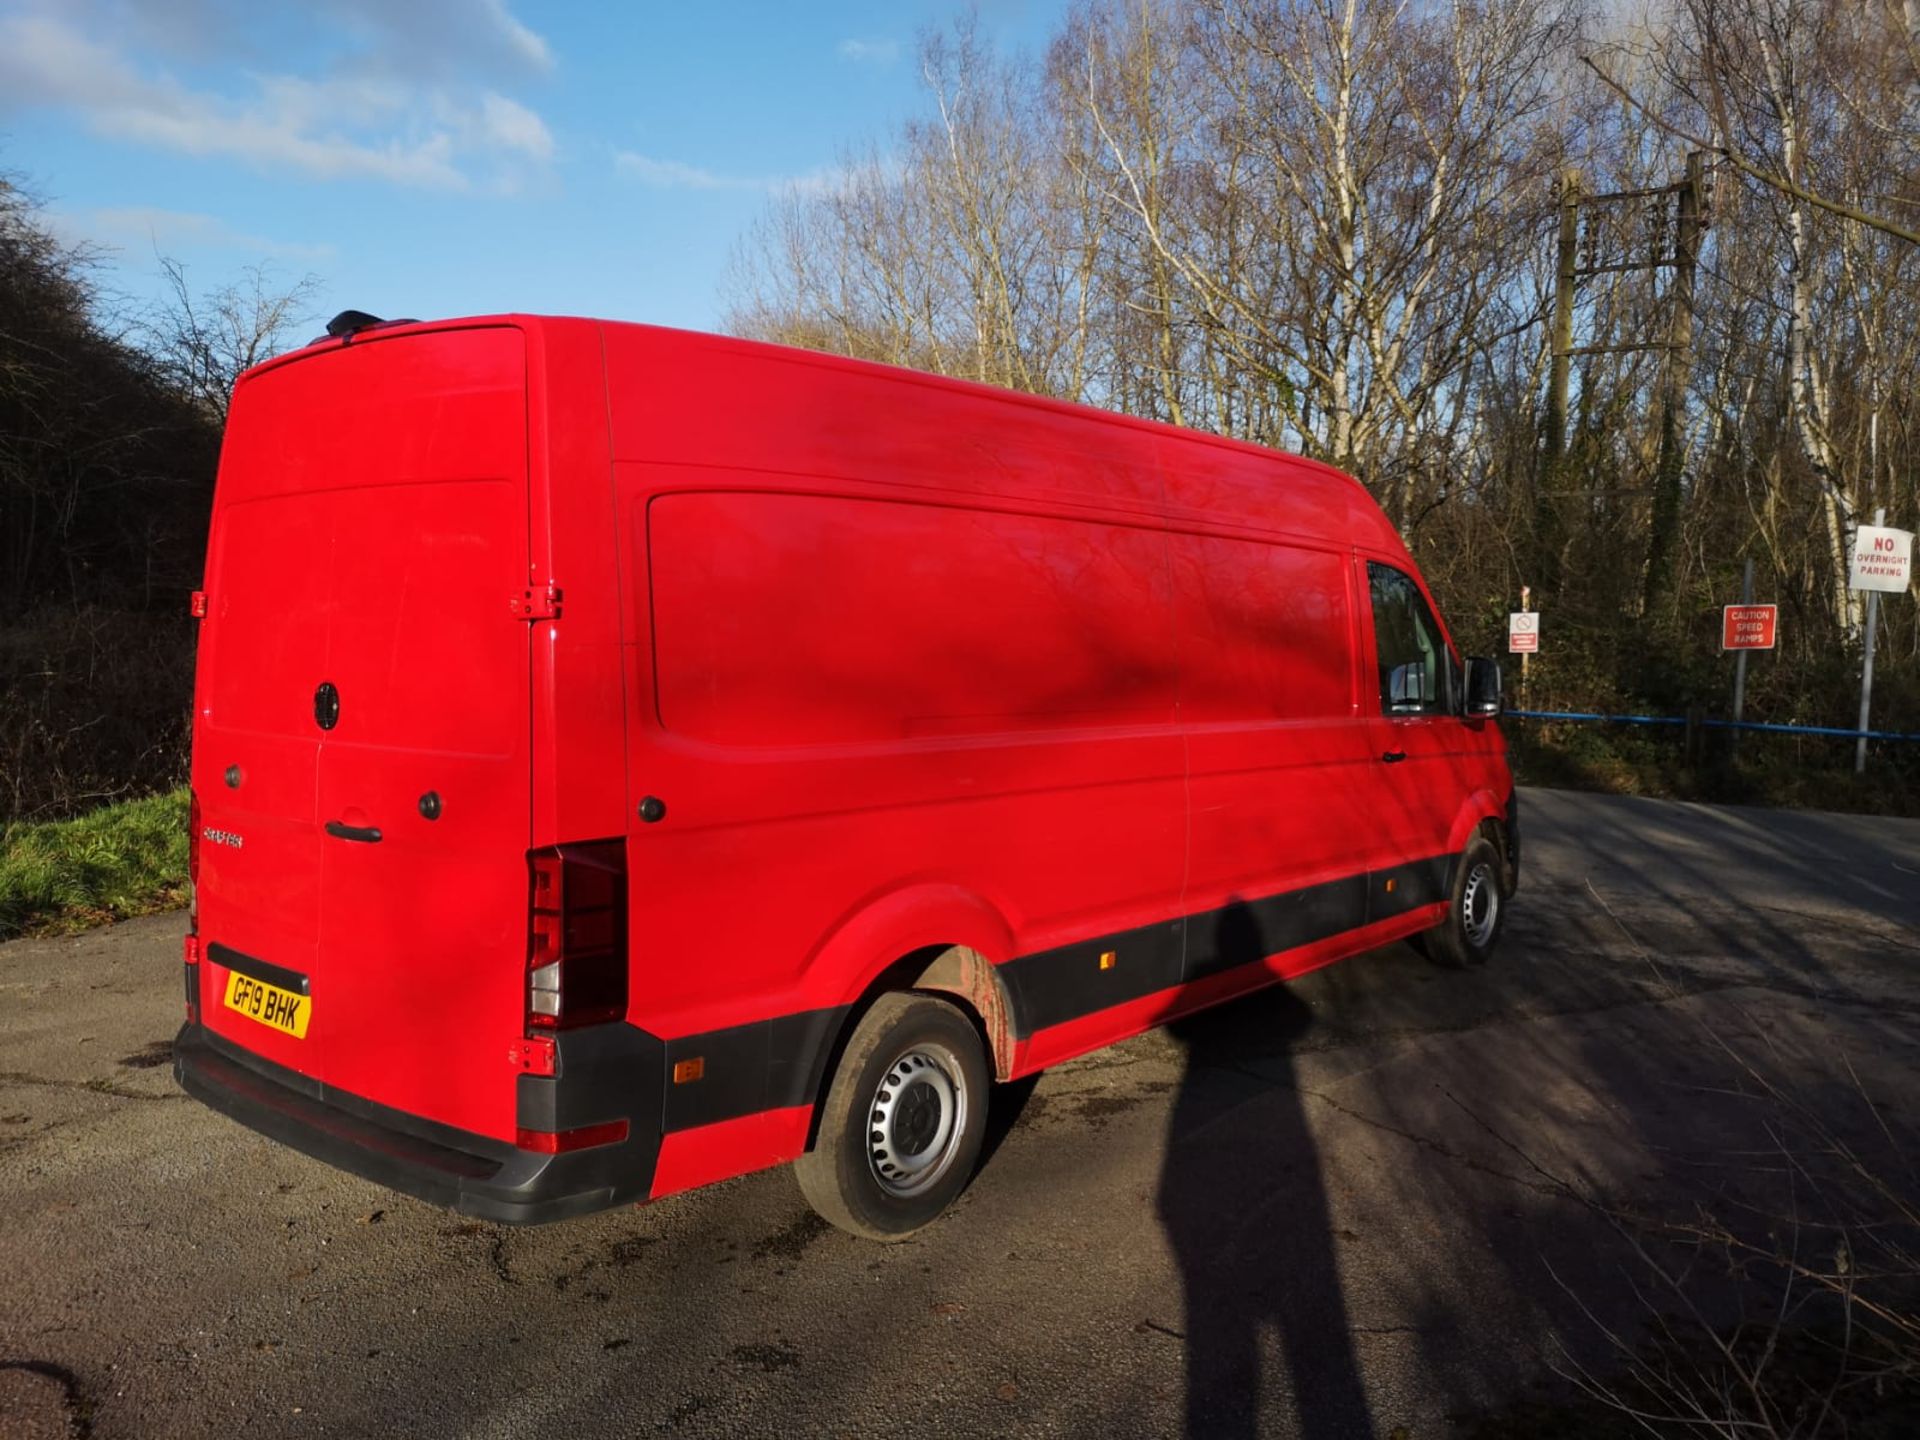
x,y
1417,675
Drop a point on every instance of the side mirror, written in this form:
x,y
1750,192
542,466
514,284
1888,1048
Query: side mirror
x,y
1483,686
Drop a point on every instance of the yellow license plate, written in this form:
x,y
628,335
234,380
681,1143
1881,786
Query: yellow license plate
x,y
269,1004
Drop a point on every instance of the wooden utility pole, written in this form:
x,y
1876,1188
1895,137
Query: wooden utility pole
x,y
1607,252
1663,540
1546,526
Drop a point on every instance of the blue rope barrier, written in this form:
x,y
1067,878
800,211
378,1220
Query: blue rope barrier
x,y
1835,731
1584,715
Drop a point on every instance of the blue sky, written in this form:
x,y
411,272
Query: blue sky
x,y
444,157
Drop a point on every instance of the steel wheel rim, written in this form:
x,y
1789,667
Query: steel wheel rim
x,y
1480,905
915,1120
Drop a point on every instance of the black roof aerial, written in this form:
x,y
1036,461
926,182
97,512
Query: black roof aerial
x,y
349,323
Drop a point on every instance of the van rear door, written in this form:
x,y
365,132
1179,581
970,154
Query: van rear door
x,y
363,717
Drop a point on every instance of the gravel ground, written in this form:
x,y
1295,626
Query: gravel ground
x,y
1337,1209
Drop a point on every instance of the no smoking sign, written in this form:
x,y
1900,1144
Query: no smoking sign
x,y
1523,632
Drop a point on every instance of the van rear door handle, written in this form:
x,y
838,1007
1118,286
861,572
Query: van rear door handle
x,y
365,834
1392,757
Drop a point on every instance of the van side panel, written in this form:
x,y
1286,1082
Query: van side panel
x,y
854,696
786,620
1278,759
836,582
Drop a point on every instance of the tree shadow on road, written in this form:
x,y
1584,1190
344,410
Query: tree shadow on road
x,y
1243,1202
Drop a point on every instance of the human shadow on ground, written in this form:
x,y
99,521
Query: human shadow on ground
x,y
1245,1209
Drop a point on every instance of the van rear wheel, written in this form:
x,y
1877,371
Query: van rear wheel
x,y
903,1121
1477,911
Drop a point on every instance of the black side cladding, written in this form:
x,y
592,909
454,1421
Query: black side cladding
x,y
1051,987
764,1065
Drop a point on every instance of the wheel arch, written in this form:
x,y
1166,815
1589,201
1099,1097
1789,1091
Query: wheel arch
x,y
943,940
1481,810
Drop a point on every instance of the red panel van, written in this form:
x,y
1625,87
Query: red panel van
x,y
626,758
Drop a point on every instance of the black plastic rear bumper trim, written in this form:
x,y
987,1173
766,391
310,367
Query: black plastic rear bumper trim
x,y
265,971
473,1174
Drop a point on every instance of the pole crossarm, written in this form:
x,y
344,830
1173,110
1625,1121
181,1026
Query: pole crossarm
x,y
1754,172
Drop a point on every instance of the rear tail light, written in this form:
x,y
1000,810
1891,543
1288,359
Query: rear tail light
x,y
190,953
577,935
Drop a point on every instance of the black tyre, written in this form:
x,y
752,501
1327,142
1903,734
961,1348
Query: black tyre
x,y
1477,909
901,1128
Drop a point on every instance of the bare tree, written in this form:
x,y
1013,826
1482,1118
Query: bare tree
x,y
203,342
1330,225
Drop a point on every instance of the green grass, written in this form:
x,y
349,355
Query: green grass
x,y
121,860
1813,773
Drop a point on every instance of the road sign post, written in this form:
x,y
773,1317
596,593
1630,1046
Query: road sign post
x,y
1866,683
1523,636
1882,563
1735,623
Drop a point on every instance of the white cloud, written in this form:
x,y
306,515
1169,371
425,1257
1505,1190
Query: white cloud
x,y
676,175
673,175
151,228
444,36
434,39
869,52
512,126
524,42
828,180
371,124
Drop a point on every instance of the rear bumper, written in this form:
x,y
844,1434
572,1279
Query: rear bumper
x,y
473,1174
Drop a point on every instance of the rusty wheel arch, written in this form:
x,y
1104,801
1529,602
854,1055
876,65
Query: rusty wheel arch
x,y
952,972
964,974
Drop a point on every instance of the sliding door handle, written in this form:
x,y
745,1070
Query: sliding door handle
x,y
1391,757
365,834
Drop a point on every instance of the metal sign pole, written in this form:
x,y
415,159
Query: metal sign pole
x,y
1866,666
1740,658
1526,594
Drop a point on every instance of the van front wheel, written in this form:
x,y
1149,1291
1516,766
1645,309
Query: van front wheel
x,y
1477,910
901,1128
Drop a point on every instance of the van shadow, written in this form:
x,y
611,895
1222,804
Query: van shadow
x,y
1243,1202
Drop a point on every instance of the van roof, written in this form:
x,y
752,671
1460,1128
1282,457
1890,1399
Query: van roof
x,y
1368,515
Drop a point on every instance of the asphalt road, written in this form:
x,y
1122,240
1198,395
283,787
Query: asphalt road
x,y
1346,1208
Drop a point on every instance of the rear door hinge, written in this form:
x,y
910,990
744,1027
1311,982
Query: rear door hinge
x,y
537,602
197,605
